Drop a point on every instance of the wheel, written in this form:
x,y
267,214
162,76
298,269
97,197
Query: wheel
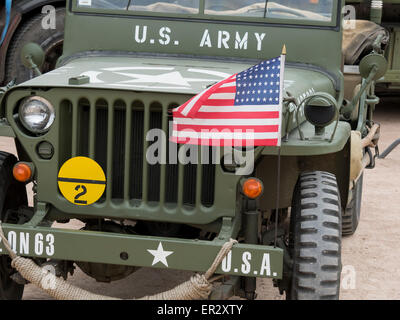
x,y
12,195
351,215
51,41
315,238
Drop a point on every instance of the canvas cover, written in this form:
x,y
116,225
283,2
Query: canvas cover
x,y
360,39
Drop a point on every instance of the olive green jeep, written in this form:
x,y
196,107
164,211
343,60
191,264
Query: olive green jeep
x,y
82,139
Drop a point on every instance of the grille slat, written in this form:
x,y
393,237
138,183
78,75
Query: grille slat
x,y
118,143
118,158
199,173
127,164
189,184
181,171
75,129
110,150
171,184
101,134
92,128
163,154
135,176
208,176
145,184
154,170
83,127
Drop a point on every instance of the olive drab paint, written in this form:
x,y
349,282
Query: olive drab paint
x,y
137,69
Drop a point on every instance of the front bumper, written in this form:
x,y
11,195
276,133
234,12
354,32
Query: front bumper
x,y
143,251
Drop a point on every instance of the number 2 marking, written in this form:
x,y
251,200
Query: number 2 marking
x,y
80,194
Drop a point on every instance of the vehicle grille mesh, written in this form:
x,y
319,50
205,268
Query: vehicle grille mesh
x,y
114,135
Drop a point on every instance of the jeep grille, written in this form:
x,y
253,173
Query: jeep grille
x,y
118,145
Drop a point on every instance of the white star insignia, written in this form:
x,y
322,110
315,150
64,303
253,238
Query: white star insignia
x,y
160,255
173,78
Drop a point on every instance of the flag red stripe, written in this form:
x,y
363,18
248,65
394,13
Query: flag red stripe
x,y
218,102
226,143
180,108
206,95
235,115
226,90
268,128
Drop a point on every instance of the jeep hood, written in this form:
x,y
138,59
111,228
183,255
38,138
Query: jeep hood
x,y
173,75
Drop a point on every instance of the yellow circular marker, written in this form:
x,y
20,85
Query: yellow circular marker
x,y
81,181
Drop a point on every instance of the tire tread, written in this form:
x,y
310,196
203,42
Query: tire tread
x,y
317,237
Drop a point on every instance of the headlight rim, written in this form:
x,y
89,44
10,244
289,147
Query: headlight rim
x,y
329,99
50,109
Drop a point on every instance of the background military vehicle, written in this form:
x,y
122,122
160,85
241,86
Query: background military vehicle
x,y
387,14
22,23
121,73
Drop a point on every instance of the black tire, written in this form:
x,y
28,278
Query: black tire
x,y
12,195
315,238
351,215
51,40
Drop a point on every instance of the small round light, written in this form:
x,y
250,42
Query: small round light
x,y
252,188
45,150
36,114
319,111
22,172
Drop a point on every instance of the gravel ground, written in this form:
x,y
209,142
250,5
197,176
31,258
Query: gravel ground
x,y
371,268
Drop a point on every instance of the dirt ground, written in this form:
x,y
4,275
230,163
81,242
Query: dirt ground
x,y
371,268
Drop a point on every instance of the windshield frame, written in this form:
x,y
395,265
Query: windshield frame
x,y
201,16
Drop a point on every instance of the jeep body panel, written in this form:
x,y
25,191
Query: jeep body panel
x,y
120,76
188,76
204,36
115,79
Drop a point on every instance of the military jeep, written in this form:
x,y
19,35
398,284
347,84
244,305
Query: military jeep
x,y
125,66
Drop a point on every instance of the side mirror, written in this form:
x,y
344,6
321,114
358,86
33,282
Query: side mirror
x,y
32,57
373,63
372,67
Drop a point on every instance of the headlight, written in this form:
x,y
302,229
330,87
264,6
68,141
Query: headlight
x,y
320,110
36,114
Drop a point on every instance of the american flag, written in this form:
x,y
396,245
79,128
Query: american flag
x,y
242,110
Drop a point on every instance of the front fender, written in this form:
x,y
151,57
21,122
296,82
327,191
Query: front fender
x,y
312,146
299,156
